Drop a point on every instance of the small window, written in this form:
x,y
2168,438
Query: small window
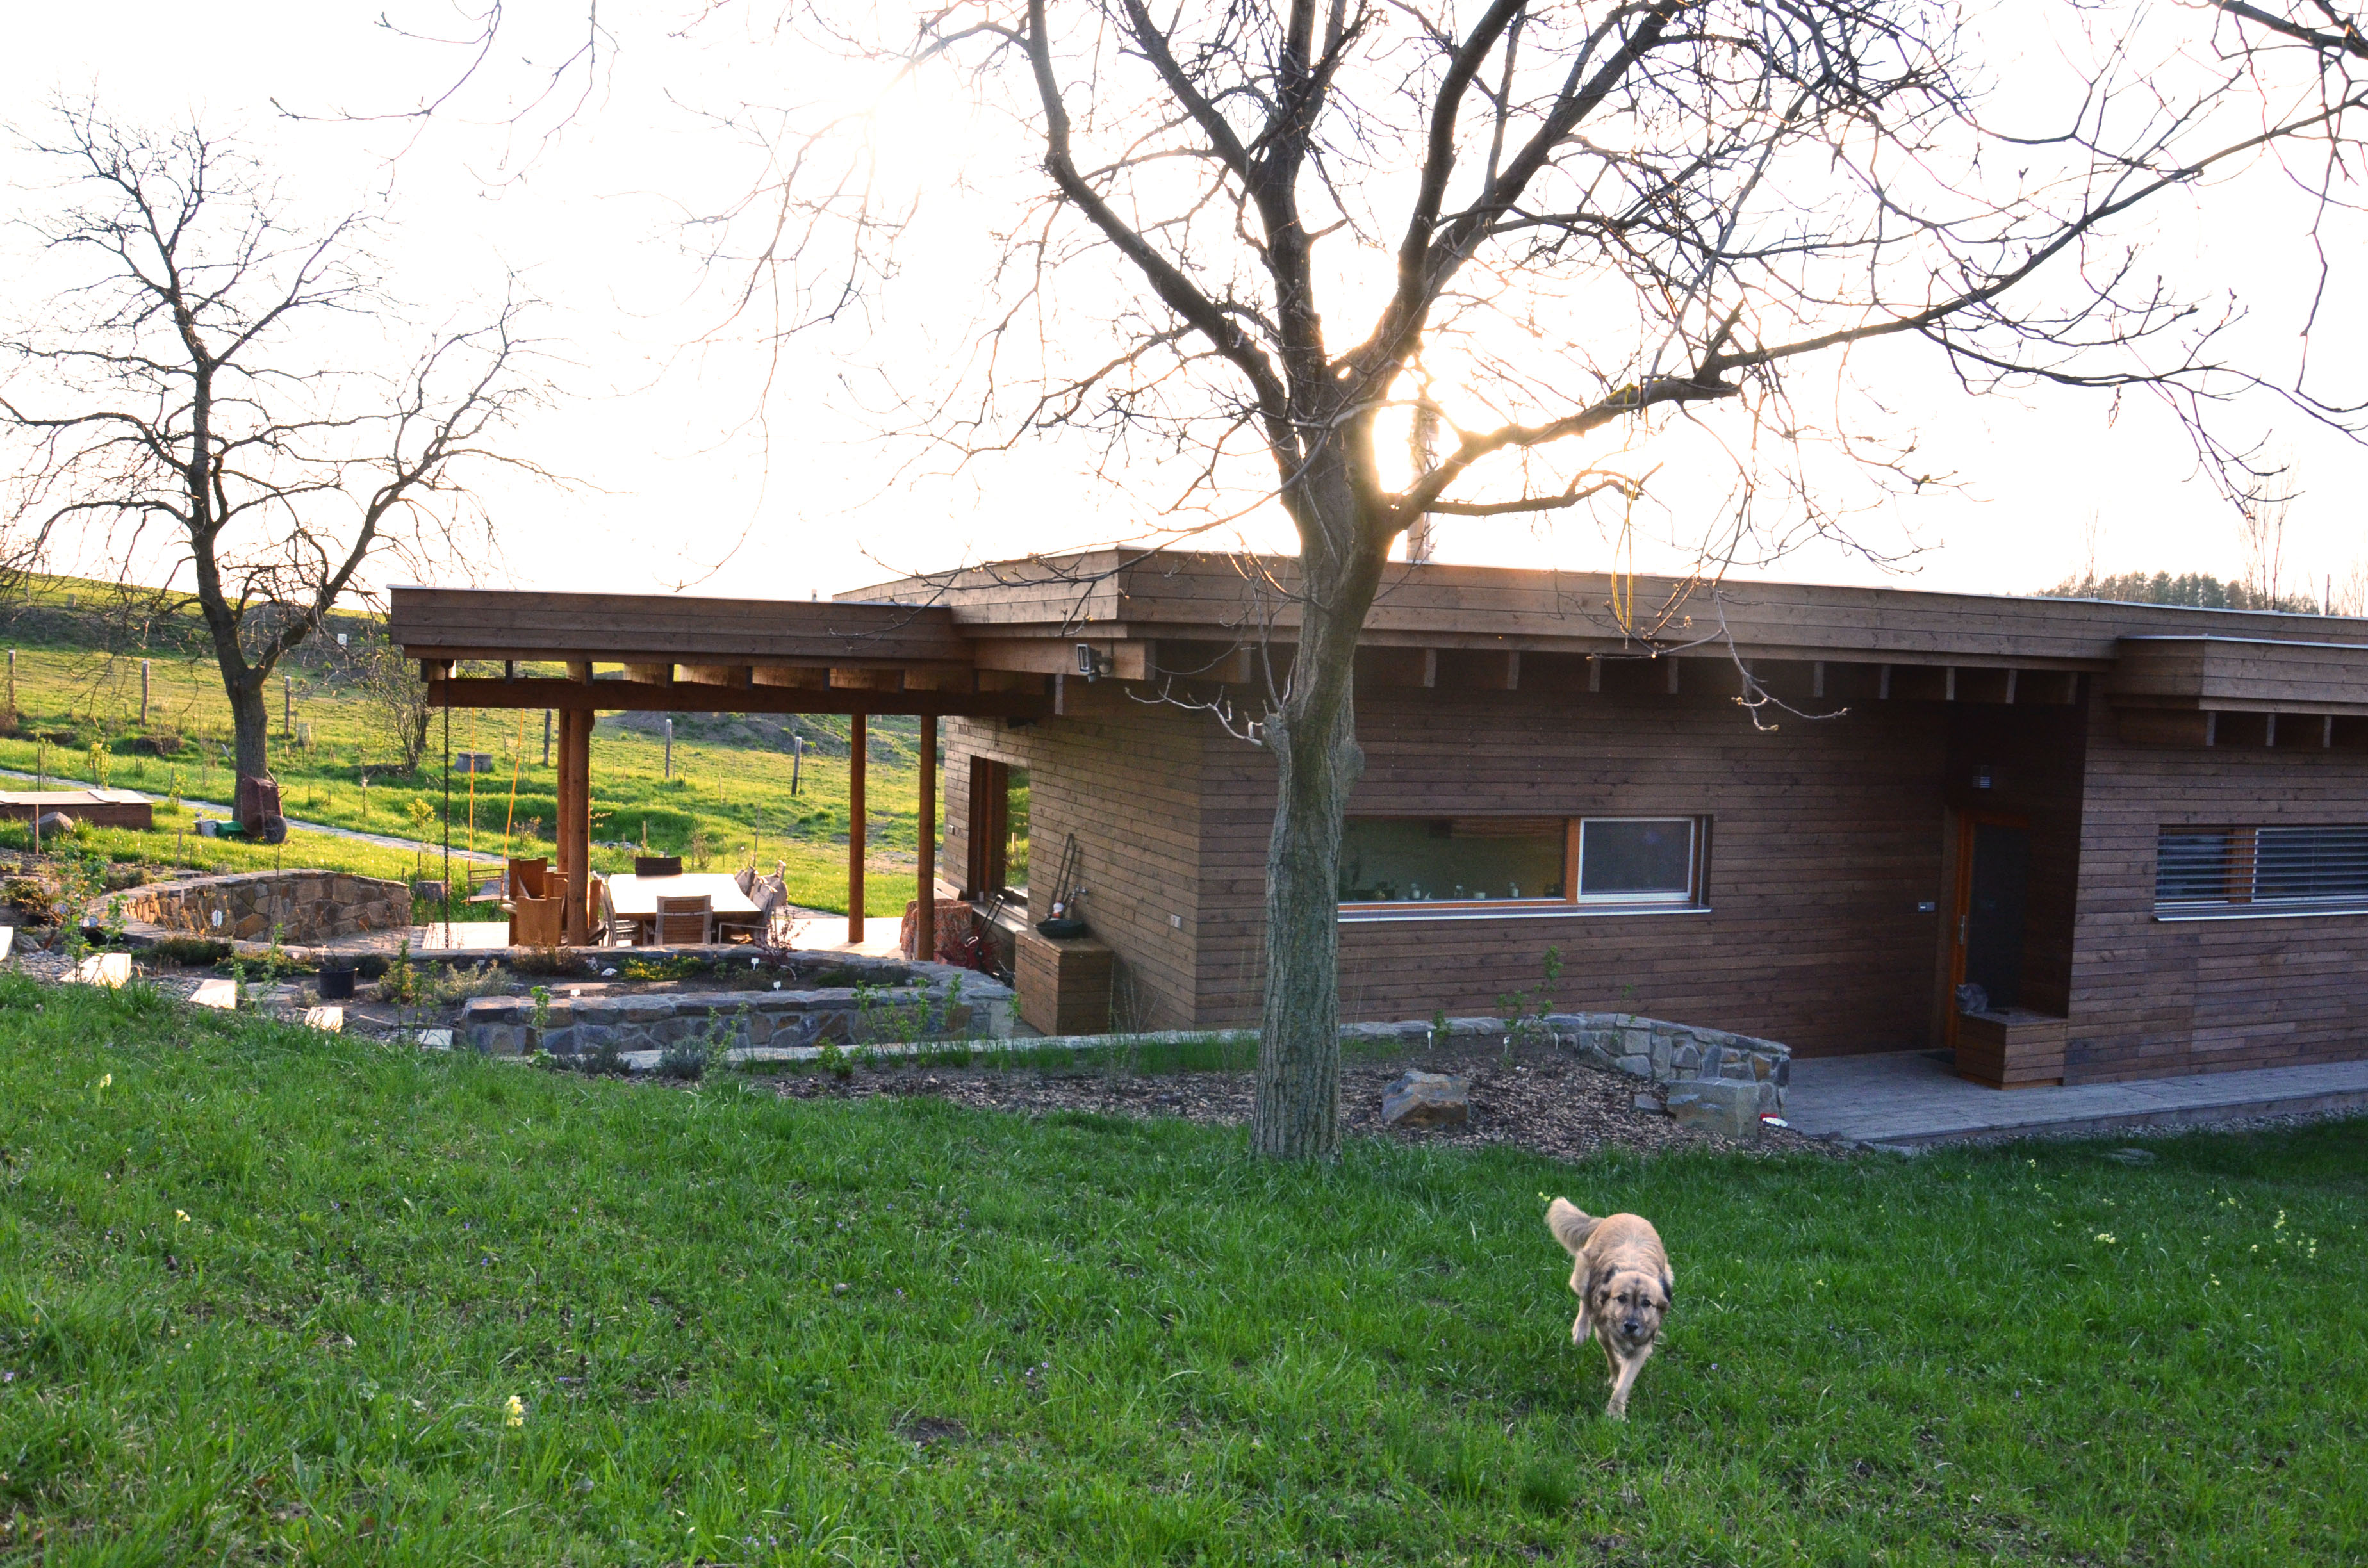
x,y
2264,870
1479,860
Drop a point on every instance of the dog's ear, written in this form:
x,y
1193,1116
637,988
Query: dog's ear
x,y
1570,1225
1668,1289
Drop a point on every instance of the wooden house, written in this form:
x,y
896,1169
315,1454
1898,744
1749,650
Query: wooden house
x,y
1802,812
1816,814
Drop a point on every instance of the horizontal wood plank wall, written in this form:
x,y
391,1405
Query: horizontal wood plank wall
x,y
1128,785
1826,836
2155,999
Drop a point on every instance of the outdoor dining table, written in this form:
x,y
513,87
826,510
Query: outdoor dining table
x,y
635,900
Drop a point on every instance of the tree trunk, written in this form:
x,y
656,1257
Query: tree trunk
x,y
1317,762
250,717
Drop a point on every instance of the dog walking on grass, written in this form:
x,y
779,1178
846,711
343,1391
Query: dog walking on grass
x,y
1621,1278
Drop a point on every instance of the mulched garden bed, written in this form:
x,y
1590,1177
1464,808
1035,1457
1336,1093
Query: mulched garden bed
x,y
1536,1100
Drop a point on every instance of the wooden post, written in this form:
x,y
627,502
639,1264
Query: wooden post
x,y
574,829
143,692
669,748
925,840
855,745
546,737
286,710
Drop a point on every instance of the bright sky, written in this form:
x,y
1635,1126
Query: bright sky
x,y
697,470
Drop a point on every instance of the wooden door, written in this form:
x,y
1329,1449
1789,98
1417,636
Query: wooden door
x,y
1988,909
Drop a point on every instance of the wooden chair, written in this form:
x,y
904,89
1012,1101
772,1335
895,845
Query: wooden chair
x,y
658,864
531,877
534,922
527,882
685,920
598,914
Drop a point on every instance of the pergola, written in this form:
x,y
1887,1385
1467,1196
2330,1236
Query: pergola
x,y
652,653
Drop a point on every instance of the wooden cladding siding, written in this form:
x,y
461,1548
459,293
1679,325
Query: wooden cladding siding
x,y
1199,596
1824,838
2160,998
486,623
1126,782
2230,673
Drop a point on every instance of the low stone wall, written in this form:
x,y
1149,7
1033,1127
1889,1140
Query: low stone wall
x,y
971,1007
1675,1053
303,906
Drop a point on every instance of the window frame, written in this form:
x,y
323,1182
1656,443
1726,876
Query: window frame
x,y
1569,903
989,860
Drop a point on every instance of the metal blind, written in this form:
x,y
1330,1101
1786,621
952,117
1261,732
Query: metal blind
x,y
2260,865
2310,863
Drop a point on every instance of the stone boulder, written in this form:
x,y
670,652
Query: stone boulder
x,y
1427,1099
1729,1106
57,824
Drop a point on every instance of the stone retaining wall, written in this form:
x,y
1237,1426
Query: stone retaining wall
x,y
304,906
972,1007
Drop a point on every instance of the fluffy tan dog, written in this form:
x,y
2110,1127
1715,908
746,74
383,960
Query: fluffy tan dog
x,y
1621,1278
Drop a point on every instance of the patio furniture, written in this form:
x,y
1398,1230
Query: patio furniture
x,y
684,920
527,882
658,864
534,922
603,918
633,902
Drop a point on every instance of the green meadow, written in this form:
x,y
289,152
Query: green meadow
x,y
270,1296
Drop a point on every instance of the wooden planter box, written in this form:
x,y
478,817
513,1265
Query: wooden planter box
x,y
2014,1049
1063,986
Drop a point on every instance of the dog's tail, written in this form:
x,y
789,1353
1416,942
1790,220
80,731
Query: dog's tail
x,y
1570,1225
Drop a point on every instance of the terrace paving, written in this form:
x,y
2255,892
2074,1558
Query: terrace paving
x,y
1911,1100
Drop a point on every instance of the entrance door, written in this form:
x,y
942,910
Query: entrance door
x,y
1993,877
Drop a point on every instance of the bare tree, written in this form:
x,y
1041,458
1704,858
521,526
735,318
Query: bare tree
x,y
190,397
394,695
1281,244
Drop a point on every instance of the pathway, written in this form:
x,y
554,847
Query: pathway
x,y
1910,1101
383,840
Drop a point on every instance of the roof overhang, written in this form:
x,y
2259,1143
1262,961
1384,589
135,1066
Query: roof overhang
x,y
2239,675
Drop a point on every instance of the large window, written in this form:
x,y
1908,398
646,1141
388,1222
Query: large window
x,y
2261,870
1390,863
998,831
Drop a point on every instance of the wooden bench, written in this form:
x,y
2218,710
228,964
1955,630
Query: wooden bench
x,y
2011,1047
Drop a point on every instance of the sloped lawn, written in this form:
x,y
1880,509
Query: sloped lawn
x,y
267,1297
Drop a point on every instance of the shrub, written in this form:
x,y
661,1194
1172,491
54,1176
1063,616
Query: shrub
x,y
193,951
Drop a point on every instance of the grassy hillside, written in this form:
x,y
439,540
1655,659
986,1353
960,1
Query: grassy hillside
x,y
269,1296
729,796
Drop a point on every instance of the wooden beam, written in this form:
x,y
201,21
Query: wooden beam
x,y
574,829
650,674
857,745
924,841
790,677
713,675
1673,676
631,696
866,680
579,669
1129,657
1817,680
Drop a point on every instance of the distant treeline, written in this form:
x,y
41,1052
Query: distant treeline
x,y
2200,590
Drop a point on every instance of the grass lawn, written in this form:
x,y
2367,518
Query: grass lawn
x,y
266,1296
723,798
162,846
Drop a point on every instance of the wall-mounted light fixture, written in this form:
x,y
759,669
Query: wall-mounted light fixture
x,y
1982,776
1092,663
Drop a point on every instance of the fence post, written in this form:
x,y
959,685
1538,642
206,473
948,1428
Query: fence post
x,y
143,693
